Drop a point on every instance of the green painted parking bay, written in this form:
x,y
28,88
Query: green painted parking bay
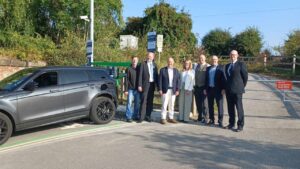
x,y
56,132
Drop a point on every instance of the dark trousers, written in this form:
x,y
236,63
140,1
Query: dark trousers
x,y
201,103
147,101
235,100
212,95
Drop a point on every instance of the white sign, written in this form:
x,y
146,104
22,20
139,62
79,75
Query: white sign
x,y
160,39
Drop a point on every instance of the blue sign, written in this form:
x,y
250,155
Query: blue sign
x,y
151,42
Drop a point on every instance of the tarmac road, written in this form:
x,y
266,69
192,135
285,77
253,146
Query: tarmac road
x,y
271,139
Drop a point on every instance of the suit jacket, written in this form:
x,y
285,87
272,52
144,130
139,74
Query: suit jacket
x,y
237,80
164,80
219,80
144,75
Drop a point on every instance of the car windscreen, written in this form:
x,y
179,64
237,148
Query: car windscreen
x,y
14,80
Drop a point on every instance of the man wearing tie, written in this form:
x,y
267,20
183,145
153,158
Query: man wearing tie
x,y
236,80
148,78
215,89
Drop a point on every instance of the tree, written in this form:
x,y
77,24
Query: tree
x,y
217,42
164,19
292,44
248,42
15,16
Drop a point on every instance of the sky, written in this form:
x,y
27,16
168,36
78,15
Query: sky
x,y
275,19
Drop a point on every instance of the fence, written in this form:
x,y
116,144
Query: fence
x,y
279,64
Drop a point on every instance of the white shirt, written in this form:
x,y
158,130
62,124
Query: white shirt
x,y
150,68
188,79
170,74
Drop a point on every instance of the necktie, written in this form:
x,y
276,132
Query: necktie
x,y
230,69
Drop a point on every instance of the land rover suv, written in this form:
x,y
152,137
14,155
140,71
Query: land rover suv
x,y
41,96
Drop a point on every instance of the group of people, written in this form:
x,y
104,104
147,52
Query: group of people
x,y
208,83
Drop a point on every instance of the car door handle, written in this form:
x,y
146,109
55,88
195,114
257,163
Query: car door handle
x,y
54,91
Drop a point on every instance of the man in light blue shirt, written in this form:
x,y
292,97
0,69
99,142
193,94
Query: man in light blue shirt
x,y
215,89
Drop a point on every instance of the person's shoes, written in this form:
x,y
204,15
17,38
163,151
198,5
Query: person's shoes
x,y
148,119
211,123
139,121
163,121
172,121
129,120
230,127
203,121
221,125
185,121
239,129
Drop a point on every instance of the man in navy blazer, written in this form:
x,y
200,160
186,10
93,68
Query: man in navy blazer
x,y
215,89
169,81
236,80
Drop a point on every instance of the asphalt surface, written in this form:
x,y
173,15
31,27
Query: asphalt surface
x,y
271,139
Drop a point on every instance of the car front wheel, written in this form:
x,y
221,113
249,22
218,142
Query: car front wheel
x,y
103,110
5,128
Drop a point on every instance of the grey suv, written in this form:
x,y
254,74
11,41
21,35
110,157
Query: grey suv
x,y
40,96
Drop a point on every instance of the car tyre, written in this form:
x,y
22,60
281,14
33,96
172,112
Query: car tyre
x,y
103,110
6,128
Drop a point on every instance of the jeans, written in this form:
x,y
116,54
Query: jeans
x,y
133,95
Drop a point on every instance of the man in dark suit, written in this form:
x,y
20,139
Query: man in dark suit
x,y
148,78
236,80
169,81
215,89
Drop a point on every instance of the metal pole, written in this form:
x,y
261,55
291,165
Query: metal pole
x,y
294,65
158,57
92,31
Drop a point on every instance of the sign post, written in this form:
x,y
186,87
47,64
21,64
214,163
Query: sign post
x,y
160,39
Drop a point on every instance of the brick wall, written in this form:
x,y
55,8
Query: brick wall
x,y
9,66
8,70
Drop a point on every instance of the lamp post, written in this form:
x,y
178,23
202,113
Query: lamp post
x,y
91,58
86,19
90,42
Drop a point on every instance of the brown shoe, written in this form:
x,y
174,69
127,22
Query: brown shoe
x,y
163,121
172,121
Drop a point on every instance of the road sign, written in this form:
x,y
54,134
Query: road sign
x,y
151,42
284,85
160,39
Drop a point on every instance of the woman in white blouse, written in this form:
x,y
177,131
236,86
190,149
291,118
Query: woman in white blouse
x,y
186,91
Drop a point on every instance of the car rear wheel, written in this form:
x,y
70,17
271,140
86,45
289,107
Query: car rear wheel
x,y
103,110
5,128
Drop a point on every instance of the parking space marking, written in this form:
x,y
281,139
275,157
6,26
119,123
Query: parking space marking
x,y
66,135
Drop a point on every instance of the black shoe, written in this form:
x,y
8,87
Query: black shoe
x,y
139,121
148,119
211,122
129,120
221,125
203,121
230,127
239,129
